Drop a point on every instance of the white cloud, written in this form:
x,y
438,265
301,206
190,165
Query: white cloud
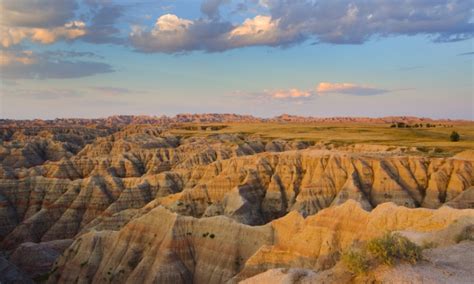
x,y
170,23
284,23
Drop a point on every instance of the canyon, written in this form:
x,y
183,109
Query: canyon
x,y
187,199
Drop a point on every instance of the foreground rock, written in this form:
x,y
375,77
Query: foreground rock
x,y
451,264
163,247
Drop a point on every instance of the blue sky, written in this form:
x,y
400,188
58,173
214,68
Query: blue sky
x,y
94,58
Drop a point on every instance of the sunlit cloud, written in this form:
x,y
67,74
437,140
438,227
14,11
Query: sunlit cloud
x,y
14,35
290,94
324,88
286,23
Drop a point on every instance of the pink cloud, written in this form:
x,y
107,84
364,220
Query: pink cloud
x,y
291,94
348,89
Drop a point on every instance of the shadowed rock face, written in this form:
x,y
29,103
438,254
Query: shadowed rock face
x,y
135,200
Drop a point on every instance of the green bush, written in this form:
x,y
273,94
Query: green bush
x,y
391,248
454,137
356,260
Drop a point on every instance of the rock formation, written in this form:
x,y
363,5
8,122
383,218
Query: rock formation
x,y
123,202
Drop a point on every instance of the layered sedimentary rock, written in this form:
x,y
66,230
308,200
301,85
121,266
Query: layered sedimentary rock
x,y
141,204
245,178
163,247
36,259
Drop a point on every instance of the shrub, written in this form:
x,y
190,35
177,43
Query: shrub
x,y
356,260
391,248
454,137
429,245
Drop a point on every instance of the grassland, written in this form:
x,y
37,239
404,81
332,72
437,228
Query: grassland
x,y
425,139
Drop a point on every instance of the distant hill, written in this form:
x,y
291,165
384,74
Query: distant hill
x,y
120,120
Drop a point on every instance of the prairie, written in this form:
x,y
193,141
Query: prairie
x,y
433,140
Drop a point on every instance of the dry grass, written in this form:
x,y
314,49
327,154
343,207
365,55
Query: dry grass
x,y
352,133
389,249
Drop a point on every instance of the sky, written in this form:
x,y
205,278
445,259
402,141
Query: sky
x,y
96,58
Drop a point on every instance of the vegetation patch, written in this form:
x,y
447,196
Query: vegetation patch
x,y
391,248
388,249
454,137
356,260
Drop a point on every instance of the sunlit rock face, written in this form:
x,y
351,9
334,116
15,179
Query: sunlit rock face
x,y
138,204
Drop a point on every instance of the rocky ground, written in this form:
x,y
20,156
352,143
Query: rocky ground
x,y
135,203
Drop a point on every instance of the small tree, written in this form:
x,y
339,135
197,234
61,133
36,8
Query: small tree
x,y
454,136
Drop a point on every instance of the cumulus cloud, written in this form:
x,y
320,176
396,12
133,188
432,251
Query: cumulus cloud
x,y
260,30
348,88
172,34
283,23
18,64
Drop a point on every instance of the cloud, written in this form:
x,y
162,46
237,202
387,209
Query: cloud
x,y
291,94
301,96
283,23
211,7
48,21
36,14
348,89
14,35
20,57
102,24
466,53
172,34
354,22
39,21
18,64
71,53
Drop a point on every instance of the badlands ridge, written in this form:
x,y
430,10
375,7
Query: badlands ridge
x,y
103,202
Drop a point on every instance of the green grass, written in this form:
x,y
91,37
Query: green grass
x,y
352,133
